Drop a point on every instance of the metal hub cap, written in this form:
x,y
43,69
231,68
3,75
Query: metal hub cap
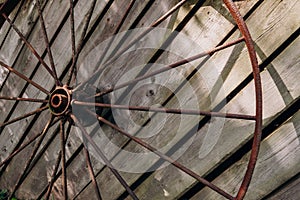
x,y
60,100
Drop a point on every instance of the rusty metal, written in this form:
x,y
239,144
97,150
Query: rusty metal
x,y
88,18
167,110
72,24
24,77
97,21
44,31
63,159
56,166
31,157
7,12
213,52
69,161
258,97
24,99
112,56
115,56
43,149
20,149
120,24
2,5
23,116
166,158
91,173
171,66
30,141
59,101
103,157
7,8
169,13
30,47
75,52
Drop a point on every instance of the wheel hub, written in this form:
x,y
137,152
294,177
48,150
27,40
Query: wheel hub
x,y
60,100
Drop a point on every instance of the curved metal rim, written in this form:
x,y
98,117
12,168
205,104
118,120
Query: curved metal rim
x,y
258,96
258,92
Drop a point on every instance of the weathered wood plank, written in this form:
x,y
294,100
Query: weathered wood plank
x,y
100,36
25,64
13,45
169,182
236,107
25,22
262,27
289,191
185,95
52,20
281,65
272,105
5,27
278,161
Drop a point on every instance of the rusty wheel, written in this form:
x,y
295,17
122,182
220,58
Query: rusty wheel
x,y
119,76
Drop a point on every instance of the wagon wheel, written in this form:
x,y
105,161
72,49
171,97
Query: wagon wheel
x,y
73,105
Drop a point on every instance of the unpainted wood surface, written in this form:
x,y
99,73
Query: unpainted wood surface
x,y
270,25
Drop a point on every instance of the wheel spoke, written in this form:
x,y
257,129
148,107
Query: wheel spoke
x,y
167,110
103,157
69,161
2,5
92,174
42,150
170,12
50,185
88,18
166,158
20,149
258,97
63,160
76,52
100,60
58,161
13,20
24,99
165,44
171,66
98,20
44,31
23,116
72,26
16,152
28,45
116,55
72,29
105,60
24,77
33,153
153,25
